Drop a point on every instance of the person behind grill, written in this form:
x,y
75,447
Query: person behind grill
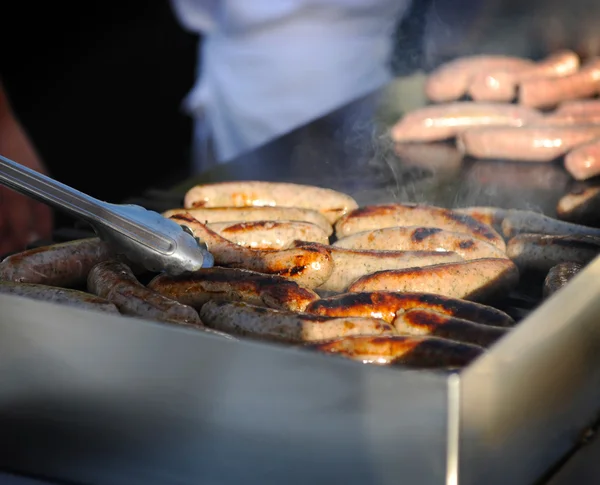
x,y
22,219
267,67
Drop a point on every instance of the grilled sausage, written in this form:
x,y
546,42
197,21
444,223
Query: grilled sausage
x,y
451,80
526,144
427,322
541,252
583,162
62,296
559,276
328,202
440,122
580,206
501,85
410,351
309,267
232,284
66,264
116,282
492,216
548,92
276,325
351,264
418,238
393,215
269,234
476,280
520,221
386,305
579,107
211,215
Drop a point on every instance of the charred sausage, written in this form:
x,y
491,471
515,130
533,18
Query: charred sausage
x,y
66,264
427,322
276,325
410,351
330,203
309,267
440,122
351,264
541,252
393,215
526,144
386,305
62,296
559,276
211,215
269,234
115,282
476,280
418,238
232,284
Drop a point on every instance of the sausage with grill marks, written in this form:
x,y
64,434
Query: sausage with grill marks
x,y
410,351
210,215
330,203
415,238
476,280
233,284
308,266
62,296
115,282
541,252
393,215
520,221
284,326
427,322
65,264
492,216
351,264
269,234
387,305
441,122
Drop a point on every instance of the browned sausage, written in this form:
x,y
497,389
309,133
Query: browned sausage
x,y
520,221
583,162
440,122
492,216
62,296
66,264
309,267
501,85
351,264
330,203
541,252
579,107
427,322
581,206
232,284
210,215
527,144
451,80
270,324
115,281
559,276
410,351
386,305
415,238
269,234
476,280
548,92
393,215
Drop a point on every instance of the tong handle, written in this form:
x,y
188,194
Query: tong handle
x,y
97,213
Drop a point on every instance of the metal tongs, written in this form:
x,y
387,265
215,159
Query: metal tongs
x,y
145,237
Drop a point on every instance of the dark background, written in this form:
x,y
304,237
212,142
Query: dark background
x,y
99,86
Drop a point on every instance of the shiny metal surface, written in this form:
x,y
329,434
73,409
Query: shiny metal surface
x,y
144,236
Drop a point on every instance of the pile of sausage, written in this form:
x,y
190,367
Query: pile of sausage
x,y
301,265
516,109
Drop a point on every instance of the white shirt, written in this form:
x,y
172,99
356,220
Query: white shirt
x,y
269,66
